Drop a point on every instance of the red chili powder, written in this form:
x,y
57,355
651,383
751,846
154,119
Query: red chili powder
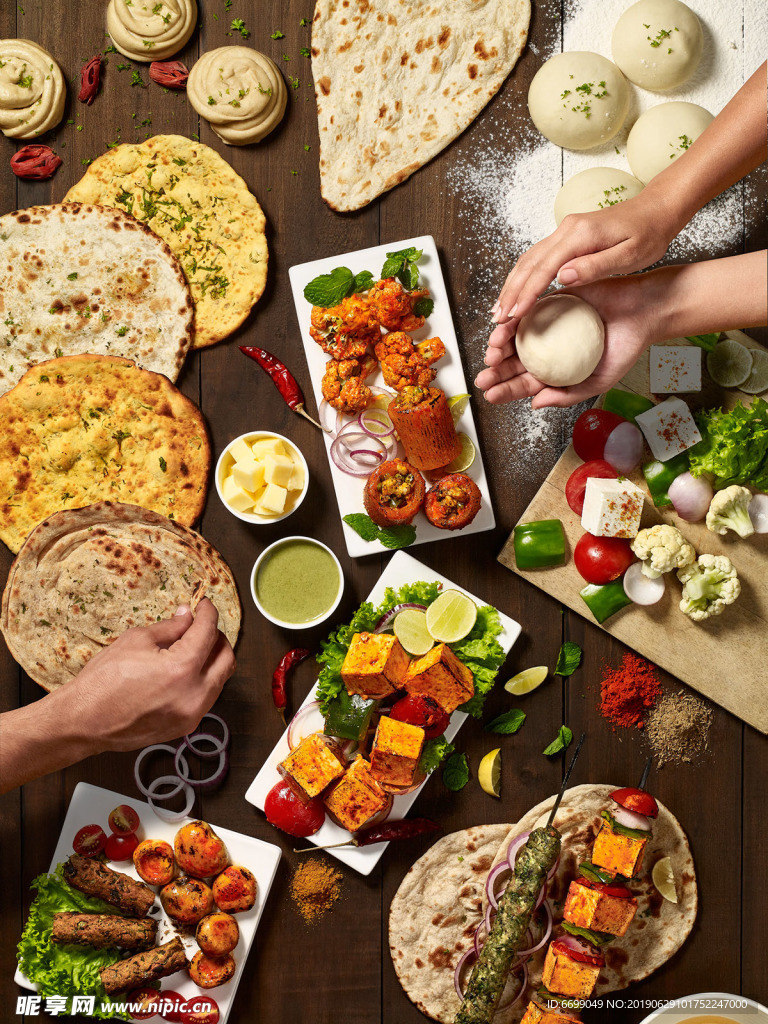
x,y
628,691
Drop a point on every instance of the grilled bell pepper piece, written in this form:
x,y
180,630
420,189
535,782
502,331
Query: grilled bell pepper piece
x,y
659,475
626,403
605,599
349,716
539,544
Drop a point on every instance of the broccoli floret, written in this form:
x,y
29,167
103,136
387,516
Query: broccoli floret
x,y
709,584
662,548
729,511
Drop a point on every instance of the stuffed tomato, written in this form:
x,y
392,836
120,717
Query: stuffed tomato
x,y
394,493
453,502
425,426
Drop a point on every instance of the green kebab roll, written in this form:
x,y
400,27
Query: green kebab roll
x,y
489,975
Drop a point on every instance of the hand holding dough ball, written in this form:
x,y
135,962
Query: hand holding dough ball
x,y
578,100
561,340
658,43
597,188
662,134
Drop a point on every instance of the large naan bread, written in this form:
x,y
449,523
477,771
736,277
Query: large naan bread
x,y
80,278
86,575
196,203
397,80
83,429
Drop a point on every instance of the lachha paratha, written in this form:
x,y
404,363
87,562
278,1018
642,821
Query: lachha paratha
x,y
79,278
86,575
397,80
189,196
83,429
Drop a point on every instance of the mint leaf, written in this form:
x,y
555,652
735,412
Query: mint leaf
x,y
435,751
507,723
563,740
705,341
456,772
569,659
329,289
363,281
409,255
363,525
393,265
424,306
402,265
395,537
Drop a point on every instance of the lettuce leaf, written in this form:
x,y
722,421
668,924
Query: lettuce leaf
x,y
483,655
63,970
734,445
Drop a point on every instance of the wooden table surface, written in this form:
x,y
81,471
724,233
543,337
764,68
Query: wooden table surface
x,y
339,970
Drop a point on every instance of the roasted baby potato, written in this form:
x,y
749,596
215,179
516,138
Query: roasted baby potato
x,y
210,971
235,889
186,900
199,851
154,863
217,934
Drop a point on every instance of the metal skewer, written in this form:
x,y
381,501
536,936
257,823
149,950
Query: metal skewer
x,y
646,772
565,780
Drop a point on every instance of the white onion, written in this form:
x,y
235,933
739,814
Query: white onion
x,y
161,812
624,448
691,497
212,780
218,745
640,589
758,512
310,718
168,749
631,820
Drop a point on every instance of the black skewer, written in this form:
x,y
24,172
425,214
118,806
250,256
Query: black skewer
x,y
646,772
565,780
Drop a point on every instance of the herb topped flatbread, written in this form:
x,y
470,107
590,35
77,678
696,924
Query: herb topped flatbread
x,y
189,196
83,429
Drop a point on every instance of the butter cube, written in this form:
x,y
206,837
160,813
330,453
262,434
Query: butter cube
x,y
675,369
241,450
278,469
235,496
272,501
612,508
296,483
248,474
267,446
669,429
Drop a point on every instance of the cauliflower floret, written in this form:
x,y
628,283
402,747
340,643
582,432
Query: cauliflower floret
x,y
709,584
661,549
729,511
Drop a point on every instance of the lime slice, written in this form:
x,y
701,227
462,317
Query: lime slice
x,y
457,404
410,628
526,680
450,617
664,879
464,459
489,773
757,381
729,363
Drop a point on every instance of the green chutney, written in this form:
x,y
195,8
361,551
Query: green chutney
x,y
298,582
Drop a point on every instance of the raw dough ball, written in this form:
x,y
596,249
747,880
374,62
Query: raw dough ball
x,y
661,134
658,43
578,100
595,189
561,340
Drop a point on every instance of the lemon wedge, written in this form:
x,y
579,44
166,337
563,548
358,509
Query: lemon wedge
x,y
489,773
664,879
527,680
451,616
457,404
464,459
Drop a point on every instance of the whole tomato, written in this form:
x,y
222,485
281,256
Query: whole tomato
x,y
591,431
421,711
602,559
285,811
577,481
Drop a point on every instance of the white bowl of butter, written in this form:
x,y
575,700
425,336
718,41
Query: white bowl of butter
x,y
261,477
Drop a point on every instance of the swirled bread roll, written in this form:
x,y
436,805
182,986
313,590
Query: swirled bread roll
x,y
145,30
32,89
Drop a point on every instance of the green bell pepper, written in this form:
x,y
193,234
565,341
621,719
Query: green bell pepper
x,y
605,599
595,938
705,341
659,475
623,830
349,716
539,544
626,403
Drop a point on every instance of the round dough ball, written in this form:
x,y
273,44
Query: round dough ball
x,y
578,100
658,43
597,188
661,134
561,340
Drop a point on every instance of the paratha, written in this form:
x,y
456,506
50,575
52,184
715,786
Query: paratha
x,y
79,278
86,575
397,80
189,196
82,429
657,932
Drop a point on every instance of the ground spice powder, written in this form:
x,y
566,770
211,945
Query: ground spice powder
x,y
627,692
678,728
315,887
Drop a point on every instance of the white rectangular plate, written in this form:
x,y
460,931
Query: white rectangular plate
x,y
401,570
450,377
93,804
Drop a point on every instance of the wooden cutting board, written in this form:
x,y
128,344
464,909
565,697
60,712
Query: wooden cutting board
x,y
725,658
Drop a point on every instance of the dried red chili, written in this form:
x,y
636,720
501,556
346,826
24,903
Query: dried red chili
x,y
35,162
171,74
628,691
280,676
90,79
387,832
282,378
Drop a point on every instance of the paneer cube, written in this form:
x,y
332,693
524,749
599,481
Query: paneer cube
x,y
669,428
675,369
240,450
612,508
395,752
312,766
248,474
298,478
235,496
375,665
590,908
439,674
356,797
267,446
272,501
621,855
278,469
535,1013
567,977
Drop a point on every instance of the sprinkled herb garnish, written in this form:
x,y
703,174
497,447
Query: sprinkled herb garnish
x,y
277,35
661,35
163,464
238,25
305,51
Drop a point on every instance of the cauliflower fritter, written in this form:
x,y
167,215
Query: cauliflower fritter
x,y
393,306
344,386
405,364
345,331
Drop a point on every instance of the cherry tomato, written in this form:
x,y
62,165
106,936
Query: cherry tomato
x,y
89,841
423,711
591,430
577,481
210,1015
173,1003
120,847
621,892
602,559
636,800
563,949
285,811
147,998
124,820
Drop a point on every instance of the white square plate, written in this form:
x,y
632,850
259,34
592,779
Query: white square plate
x,y
93,804
401,570
450,377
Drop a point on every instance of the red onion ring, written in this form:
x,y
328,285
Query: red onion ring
x,y
514,849
144,790
469,955
376,419
493,899
342,453
221,770
221,744
390,616
546,935
161,812
300,715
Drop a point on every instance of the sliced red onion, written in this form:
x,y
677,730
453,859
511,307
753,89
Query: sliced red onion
x,y
758,512
301,716
349,748
162,812
520,991
541,897
490,881
631,820
624,448
219,745
380,392
552,870
183,771
343,455
640,589
384,427
518,974
481,933
546,934
469,957
515,847
168,749
691,497
390,616
176,784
